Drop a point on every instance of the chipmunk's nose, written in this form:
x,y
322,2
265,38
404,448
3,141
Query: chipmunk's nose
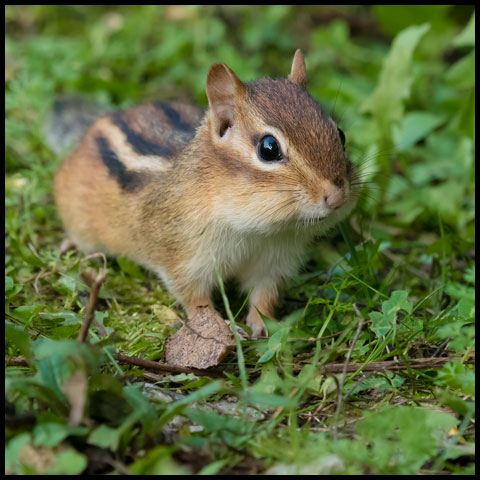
x,y
335,198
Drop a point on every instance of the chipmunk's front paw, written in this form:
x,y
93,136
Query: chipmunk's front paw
x,y
257,325
241,333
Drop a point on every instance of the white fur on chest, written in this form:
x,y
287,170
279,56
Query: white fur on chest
x,y
249,257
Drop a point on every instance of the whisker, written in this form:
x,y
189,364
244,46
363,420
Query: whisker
x,y
364,182
272,213
269,191
277,207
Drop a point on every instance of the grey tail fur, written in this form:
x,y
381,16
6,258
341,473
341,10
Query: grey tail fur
x,y
69,120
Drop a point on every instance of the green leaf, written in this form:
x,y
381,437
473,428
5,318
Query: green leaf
x,y
158,461
458,377
261,399
8,284
275,343
69,462
466,308
31,387
461,336
467,36
213,468
462,73
66,286
56,360
69,318
269,380
458,290
268,355
381,324
470,275
401,439
414,127
398,301
200,394
386,102
456,403
14,447
105,437
378,383
10,291
384,321
464,120
142,407
51,434
25,253
130,267
45,348
19,338
214,422
26,313
227,429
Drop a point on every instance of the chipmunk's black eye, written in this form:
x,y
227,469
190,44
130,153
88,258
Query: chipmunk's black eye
x,y
269,150
342,137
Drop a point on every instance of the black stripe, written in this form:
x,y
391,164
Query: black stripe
x,y
128,180
173,117
140,144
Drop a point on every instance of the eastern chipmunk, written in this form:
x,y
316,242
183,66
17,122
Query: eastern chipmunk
x,y
244,187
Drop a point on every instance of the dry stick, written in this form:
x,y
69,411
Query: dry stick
x,y
139,362
92,301
165,367
37,278
94,283
344,372
414,364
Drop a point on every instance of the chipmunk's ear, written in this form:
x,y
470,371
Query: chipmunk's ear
x,y
298,73
223,87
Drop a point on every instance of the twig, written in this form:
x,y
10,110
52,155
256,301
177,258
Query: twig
x,y
138,362
414,364
35,282
94,255
165,367
94,283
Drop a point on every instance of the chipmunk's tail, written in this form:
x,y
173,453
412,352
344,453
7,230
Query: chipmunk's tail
x,y
69,120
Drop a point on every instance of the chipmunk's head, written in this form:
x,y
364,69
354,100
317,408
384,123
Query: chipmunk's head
x,y
280,157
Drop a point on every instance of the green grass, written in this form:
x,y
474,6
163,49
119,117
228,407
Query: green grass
x,y
401,85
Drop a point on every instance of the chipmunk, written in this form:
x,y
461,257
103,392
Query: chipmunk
x,y
241,189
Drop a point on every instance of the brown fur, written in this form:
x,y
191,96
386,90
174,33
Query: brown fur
x,y
181,201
